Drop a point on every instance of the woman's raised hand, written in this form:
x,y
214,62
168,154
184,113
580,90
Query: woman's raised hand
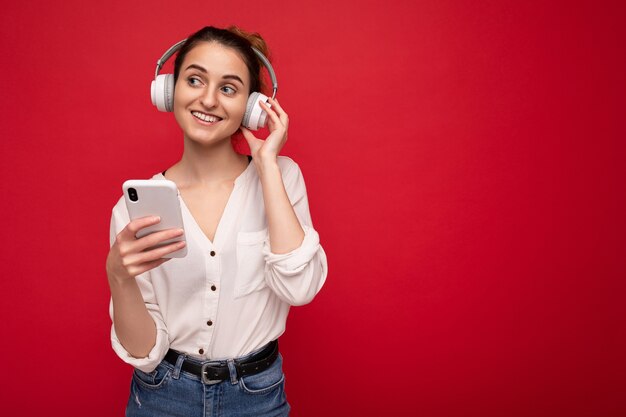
x,y
268,149
130,256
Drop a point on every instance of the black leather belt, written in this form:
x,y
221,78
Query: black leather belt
x,y
217,371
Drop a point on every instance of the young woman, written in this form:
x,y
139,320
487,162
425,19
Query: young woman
x,y
201,331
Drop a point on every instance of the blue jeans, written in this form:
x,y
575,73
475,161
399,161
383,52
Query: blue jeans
x,y
170,391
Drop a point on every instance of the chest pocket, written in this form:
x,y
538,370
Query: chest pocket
x,y
250,262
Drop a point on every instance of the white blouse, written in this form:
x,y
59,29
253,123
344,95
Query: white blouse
x,y
228,297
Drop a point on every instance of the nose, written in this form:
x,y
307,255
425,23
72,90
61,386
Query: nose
x,y
210,98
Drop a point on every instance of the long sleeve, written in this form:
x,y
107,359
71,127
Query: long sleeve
x,y
119,220
228,296
296,277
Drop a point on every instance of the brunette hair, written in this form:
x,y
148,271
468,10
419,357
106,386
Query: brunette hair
x,y
232,37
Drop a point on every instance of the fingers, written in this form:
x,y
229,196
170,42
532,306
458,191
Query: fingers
x,y
276,106
253,141
140,269
277,123
155,238
137,262
284,118
131,229
129,247
271,113
131,256
128,242
153,264
247,133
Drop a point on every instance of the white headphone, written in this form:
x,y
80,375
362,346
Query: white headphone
x,y
162,90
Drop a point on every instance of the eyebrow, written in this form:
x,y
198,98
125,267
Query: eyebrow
x,y
227,76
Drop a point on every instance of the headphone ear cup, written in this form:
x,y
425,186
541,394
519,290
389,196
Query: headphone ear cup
x,y
162,92
255,117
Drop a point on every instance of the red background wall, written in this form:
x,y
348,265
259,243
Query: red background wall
x,y
465,167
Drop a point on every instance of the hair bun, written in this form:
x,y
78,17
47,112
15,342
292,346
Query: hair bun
x,y
254,38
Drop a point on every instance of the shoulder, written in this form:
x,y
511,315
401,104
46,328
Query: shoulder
x,y
120,205
119,214
288,167
285,162
289,170
292,178
119,219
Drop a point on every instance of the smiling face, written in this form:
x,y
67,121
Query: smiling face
x,y
211,93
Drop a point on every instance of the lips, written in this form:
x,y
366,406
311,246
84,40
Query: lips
x,y
205,117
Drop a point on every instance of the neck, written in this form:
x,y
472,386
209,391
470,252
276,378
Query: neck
x,y
202,164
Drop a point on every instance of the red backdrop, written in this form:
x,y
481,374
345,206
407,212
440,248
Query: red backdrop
x,y
465,164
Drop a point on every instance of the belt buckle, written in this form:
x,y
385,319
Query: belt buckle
x,y
205,379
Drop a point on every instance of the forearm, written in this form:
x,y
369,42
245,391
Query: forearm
x,y
285,231
134,326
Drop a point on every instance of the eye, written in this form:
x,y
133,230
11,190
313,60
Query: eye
x,y
228,90
194,81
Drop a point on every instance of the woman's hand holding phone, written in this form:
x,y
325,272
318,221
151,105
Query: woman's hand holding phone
x,y
130,256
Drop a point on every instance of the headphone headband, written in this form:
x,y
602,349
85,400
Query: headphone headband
x,y
174,48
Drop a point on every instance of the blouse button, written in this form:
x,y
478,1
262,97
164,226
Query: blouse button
x,y
213,288
212,253
209,323
201,351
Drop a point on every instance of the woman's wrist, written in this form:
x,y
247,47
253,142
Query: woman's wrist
x,y
266,165
116,281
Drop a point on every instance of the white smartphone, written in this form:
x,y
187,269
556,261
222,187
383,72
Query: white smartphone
x,y
155,198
